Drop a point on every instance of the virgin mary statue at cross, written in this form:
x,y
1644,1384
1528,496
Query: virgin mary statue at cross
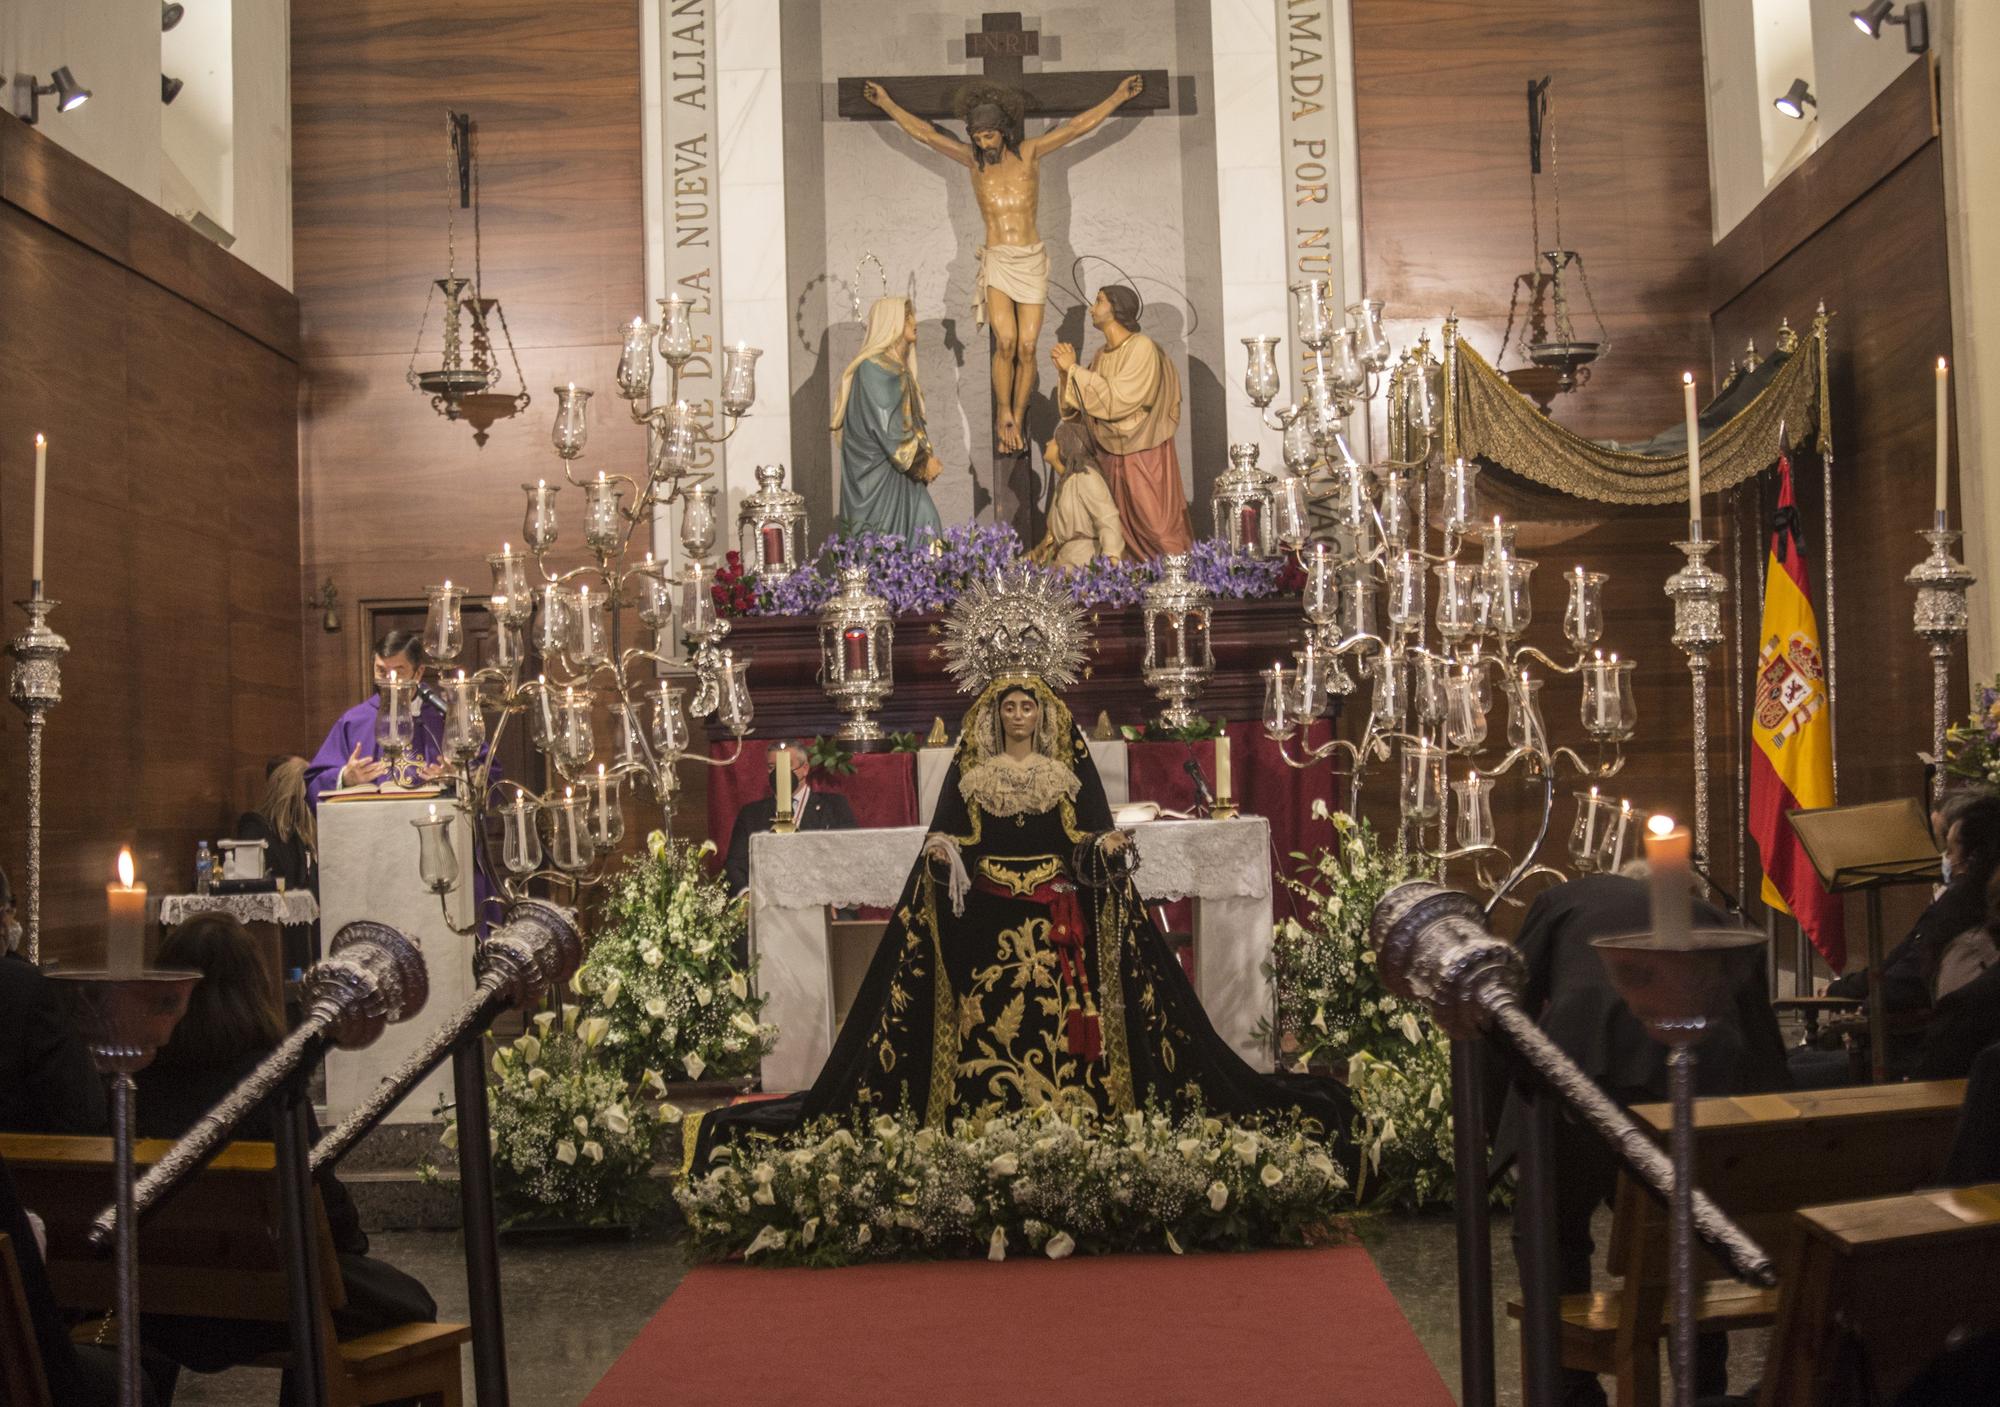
x,y
1013,264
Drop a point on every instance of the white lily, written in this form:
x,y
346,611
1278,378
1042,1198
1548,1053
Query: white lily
x,y
650,955
996,1245
1272,1175
704,994
768,1238
744,1022
694,1065
593,1150
1006,1165
656,1007
1059,1245
449,1138
537,1077
530,1048
565,1152
616,1119
739,986
613,989
582,1124
591,1030
544,1020
1218,1195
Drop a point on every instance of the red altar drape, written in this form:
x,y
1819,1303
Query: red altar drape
x,y
882,789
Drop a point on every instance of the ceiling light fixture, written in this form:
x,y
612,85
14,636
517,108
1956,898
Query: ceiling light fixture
x,y
1915,19
62,85
170,88
1794,100
170,15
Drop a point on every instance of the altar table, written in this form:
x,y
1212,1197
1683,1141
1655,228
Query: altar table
x,y
1224,866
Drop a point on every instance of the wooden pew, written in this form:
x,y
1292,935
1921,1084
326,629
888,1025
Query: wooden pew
x,y
1761,1158
1882,1287
212,1250
22,1383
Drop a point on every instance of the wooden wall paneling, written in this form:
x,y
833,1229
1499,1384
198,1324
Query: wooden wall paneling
x,y
394,497
172,531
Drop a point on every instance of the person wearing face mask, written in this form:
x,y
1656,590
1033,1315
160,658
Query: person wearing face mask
x,y
47,1083
349,756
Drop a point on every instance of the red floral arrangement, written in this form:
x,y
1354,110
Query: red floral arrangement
x,y
734,595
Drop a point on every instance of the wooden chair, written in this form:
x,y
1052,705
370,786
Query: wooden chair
x,y
1878,1288
1761,1158
213,1251
22,1383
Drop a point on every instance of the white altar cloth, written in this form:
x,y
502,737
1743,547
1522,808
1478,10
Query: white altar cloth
x,y
1224,866
368,870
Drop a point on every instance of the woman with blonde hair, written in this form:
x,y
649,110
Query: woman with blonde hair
x,y
284,821
885,456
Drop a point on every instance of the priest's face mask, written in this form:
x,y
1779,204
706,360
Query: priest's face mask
x,y
1020,715
404,667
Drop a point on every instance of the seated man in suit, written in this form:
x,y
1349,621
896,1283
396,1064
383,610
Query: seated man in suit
x,y
812,810
1570,993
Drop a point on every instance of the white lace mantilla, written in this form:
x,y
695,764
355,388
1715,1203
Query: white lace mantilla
x,y
270,906
1004,787
1178,860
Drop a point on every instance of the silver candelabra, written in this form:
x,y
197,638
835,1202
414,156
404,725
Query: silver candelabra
x,y
1697,590
1941,618
36,687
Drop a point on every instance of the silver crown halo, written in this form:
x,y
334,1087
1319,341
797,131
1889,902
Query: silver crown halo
x,y
1019,623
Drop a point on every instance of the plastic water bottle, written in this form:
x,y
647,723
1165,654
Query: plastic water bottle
x,y
204,868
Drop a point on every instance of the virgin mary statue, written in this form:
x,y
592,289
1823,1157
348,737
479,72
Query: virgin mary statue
x,y
1019,967
886,461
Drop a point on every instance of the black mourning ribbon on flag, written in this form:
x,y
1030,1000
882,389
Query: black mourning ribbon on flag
x,y
1785,532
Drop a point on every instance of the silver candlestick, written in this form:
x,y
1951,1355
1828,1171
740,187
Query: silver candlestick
x,y
36,687
1940,617
1697,591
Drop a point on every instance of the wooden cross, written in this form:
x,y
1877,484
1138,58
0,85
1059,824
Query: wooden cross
x,y
1000,45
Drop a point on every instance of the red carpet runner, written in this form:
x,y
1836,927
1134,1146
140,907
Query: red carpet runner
x,y
1265,1326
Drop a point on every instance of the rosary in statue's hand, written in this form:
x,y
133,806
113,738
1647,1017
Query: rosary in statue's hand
x,y
1112,842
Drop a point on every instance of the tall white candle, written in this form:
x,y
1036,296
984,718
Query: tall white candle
x,y
1945,450
1668,851
1694,454
1222,768
125,920
42,496
782,811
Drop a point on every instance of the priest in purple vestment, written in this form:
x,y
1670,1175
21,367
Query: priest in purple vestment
x,y
349,756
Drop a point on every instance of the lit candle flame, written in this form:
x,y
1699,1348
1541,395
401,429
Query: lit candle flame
x,y
125,871
41,441
1660,823
1687,378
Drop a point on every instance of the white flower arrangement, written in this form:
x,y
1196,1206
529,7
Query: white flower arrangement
x,y
1023,1182
1333,1006
662,974
573,1138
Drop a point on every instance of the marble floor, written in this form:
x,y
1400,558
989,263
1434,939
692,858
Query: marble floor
x,y
572,1307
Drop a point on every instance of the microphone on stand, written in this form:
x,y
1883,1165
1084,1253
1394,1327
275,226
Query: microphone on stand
x,y
1201,792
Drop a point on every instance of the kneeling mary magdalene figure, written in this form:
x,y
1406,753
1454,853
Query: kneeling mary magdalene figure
x,y
1020,967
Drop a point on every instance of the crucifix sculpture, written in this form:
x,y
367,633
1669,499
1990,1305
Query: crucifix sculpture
x,y
1006,175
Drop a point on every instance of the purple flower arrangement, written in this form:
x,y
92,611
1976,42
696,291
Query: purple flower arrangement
x,y
927,576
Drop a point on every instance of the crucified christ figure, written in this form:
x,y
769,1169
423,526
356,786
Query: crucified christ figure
x,y
1013,265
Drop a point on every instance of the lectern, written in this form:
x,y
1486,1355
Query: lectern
x,y
1869,848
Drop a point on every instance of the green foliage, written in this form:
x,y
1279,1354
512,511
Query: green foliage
x,y
1334,1007
831,756
662,970
1017,1183
1200,731
904,742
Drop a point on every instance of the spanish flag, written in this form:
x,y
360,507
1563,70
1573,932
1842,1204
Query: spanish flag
x,y
1791,729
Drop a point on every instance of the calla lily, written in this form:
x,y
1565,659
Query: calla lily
x,y
616,1119
694,1065
593,1150
739,986
1272,1175
768,1238
656,1007
530,1048
704,994
565,1152
613,990
1218,1196
650,955
537,1077
582,1124
656,844
1059,1245
591,1030
996,1245
744,1022
1006,1165
449,1138
544,1020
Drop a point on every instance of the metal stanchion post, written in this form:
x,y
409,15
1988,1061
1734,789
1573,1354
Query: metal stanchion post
x,y
1475,1236
1535,1239
482,1250
298,1233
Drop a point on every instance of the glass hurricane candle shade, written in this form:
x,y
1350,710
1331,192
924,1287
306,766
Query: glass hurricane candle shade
x,y
739,378
1423,781
1390,694
676,333
1460,507
1280,715
1353,507
444,623
1472,800
732,705
538,525
697,611
1510,604
395,726
698,521
1300,451
1610,710
1288,511
437,862
572,426
606,814
1583,616
656,595
1586,834
1325,407
1357,602
629,741
1260,375
520,838
1312,676
1320,595
1475,662
569,832
552,619
1404,604
1314,317
544,715
670,723
1525,729
1343,364
635,362
509,648
1464,718
589,643
1371,342
603,523
1393,504
1620,829
513,600
1429,674
464,727
672,452
576,742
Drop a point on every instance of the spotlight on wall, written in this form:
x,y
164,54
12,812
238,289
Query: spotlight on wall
x,y
170,15
62,85
170,88
1792,102
1915,19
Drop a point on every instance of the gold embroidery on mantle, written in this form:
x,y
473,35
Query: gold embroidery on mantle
x,y
1021,877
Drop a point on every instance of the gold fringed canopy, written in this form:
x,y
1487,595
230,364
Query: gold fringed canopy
x,y
1487,418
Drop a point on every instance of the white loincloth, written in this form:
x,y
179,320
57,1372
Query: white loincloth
x,y
1021,271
